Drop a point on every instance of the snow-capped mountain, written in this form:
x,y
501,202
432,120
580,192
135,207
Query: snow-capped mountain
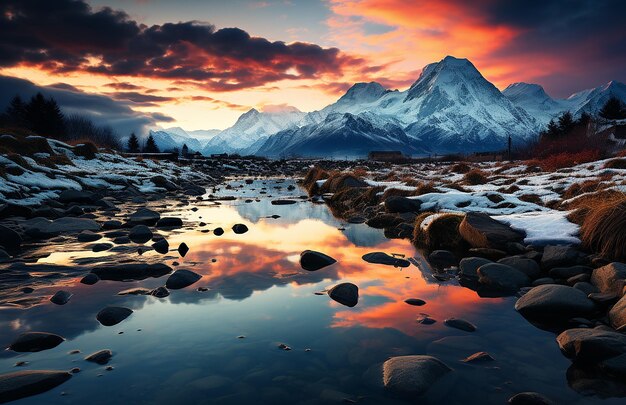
x,y
176,137
251,127
532,98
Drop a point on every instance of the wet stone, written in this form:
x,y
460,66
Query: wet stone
x,y
110,316
529,398
181,279
345,293
140,234
384,258
183,249
22,384
239,229
90,279
35,342
160,292
478,357
100,357
218,231
61,297
161,246
311,260
415,301
413,374
460,324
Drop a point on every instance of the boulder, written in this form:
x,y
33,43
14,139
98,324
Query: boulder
x,y
169,222
482,231
311,260
415,302
9,239
591,346
42,227
131,271
101,247
35,342
442,259
144,216
399,204
61,297
413,375
554,302
568,272
469,266
218,231
283,202
502,277
617,315
383,221
161,181
160,292
183,249
345,293
90,279
15,210
559,256
88,236
140,234
100,357
239,229
181,279
110,316
22,384
525,265
384,258
610,278
78,196
112,224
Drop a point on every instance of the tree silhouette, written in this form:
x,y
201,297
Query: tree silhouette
x,y
185,151
151,146
133,143
613,109
44,117
16,112
566,122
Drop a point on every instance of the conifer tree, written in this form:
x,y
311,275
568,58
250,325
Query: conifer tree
x,y
133,143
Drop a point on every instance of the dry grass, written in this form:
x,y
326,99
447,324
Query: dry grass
x,y
588,186
603,229
426,188
312,176
461,168
54,161
475,177
531,198
338,181
396,192
441,233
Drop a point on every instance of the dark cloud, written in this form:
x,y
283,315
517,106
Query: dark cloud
x,y
101,109
123,86
67,36
140,98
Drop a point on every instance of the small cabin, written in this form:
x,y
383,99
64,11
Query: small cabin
x,y
386,156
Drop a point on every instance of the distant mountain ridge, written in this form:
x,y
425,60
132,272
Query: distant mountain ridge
x,y
450,108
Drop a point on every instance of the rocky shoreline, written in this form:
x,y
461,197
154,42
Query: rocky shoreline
x,y
578,294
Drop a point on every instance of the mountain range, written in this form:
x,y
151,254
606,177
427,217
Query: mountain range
x,y
450,108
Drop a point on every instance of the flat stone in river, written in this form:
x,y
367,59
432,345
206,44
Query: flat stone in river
x,y
35,342
22,384
345,293
557,302
181,279
110,316
384,258
413,374
311,260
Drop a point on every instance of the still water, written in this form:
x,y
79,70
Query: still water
x,y
221,346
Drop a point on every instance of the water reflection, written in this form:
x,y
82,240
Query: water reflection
x,y
186,348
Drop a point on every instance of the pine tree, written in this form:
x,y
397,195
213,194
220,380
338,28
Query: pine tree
x,y
185,151
16,112
44,117
553,130
613,109
151,146
566,122
133,143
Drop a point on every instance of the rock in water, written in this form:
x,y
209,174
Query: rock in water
x,y
559,256
110,316
24,384
529,398
482,231
239,229
140,234
415,301
90,279
502,277
161,246
469,266
413,374
131,271
478,357
35,342
400,204
384,258
61,297
591,346
610,278
523,264
183,249
311,260
160,292
181,279
556,302
345,293
169,222
218,232
144,216
460,324
100,357
10,239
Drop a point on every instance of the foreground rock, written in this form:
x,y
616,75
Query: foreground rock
x,y
311,260
110,316
559,256
591,345
610,278
384,258
181,279
100,357
44,228
400,205
345,293
482,231
35,342
140,234
617,315
144,216
469,266
169,222
502,277
460,324
131,271
24,384
413,374
61,297
554,302
240,228
529,398
9,239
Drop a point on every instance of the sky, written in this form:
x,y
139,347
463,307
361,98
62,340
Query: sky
x,y
200,64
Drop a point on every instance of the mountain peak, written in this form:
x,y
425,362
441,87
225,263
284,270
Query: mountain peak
x,y
521,90
363,92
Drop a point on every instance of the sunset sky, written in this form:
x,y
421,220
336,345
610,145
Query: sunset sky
x,y
200,64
